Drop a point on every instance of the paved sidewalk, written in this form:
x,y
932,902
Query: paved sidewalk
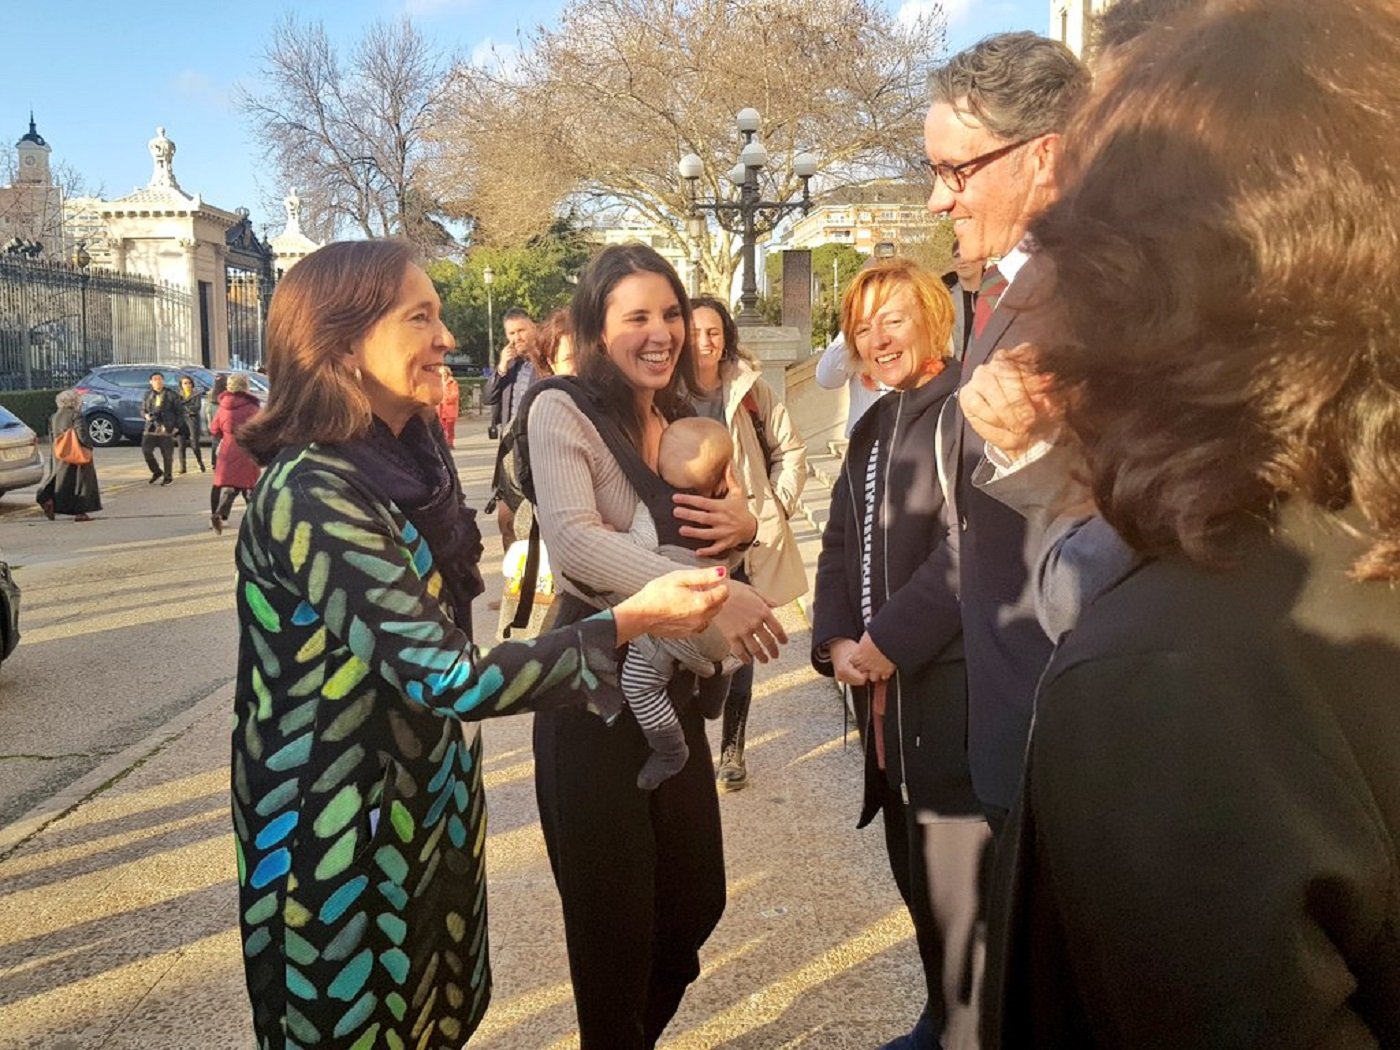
x,y
118,919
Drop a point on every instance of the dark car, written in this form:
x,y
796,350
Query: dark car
x,y
9,610
112,396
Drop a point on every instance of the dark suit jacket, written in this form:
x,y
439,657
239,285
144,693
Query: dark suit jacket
x,y
1005,647
1205,854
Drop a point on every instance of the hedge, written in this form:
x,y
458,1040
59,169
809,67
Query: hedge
x,y
33,406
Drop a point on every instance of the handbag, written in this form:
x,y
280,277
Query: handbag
x,y
68,448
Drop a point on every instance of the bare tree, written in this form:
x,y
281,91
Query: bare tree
x,y
597,111
351,134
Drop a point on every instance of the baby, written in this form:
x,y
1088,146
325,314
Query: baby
x,y
693,457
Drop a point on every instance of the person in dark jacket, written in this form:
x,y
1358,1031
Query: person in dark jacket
x,y
191,407
160,408
236,472
886,623
518,367
1205,850
72,488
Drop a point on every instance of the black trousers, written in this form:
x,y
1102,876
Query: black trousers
x,y
166,443
942,870
640,873
186,441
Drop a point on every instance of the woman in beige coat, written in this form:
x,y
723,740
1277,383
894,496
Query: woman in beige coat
x,y
770,463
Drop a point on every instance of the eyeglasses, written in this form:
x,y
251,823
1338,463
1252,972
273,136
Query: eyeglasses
x,y
955,176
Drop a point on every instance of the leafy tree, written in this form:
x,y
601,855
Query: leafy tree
x,y
538,276
598,110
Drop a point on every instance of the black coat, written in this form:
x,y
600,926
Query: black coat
x,y
72,487
191,408
161,411
1205,854
915,620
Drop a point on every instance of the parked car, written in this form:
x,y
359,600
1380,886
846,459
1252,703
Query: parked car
x,y
112,396
21,463
9,610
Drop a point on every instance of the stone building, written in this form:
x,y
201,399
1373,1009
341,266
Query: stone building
x,y
31,209
1071,21
894,213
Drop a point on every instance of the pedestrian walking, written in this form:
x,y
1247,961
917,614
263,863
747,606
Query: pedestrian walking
x,y
72,484
640,873
770,465
160,408
191,408
236,472
358,809
211,405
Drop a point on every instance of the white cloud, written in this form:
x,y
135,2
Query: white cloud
x,y
954,10
496,58
201,87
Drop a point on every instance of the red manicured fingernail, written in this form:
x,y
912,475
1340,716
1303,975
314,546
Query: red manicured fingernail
x,y
719,570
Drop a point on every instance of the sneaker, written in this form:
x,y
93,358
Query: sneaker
x,y
168,481
154,479
218,524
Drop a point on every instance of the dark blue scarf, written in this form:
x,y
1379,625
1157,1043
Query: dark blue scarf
x,y
415,471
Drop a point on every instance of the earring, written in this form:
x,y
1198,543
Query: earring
x,y
359,378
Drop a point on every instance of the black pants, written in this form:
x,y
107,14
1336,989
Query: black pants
x,y
640,873
166,443
185,442
943,871
221,499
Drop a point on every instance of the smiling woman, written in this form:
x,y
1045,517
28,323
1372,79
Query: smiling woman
x,y
357,799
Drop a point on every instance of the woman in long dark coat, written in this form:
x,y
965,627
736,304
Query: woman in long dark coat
x,y
72,487
886,623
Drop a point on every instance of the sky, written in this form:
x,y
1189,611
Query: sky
x,y
101,76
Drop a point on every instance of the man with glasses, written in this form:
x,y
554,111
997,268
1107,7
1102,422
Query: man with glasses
x,y
992,138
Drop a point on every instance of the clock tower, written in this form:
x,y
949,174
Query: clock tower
x,y
33,158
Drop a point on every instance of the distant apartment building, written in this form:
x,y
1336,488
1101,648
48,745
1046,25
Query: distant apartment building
x,y
629,231
893,213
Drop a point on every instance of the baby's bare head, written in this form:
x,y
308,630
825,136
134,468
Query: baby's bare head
x,y
694,455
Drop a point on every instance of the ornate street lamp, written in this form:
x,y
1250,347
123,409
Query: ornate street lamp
x,y
488,277
739,216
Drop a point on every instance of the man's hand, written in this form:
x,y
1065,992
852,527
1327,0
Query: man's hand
x,y
841,650
868,660
1008,402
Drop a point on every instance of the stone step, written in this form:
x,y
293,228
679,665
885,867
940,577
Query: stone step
x,y
824,469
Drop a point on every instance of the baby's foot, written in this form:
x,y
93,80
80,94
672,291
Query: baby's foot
x,y
669,753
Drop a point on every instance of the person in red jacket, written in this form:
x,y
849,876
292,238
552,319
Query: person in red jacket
x,y
450,406
236,471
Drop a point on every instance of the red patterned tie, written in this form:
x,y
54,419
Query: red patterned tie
x,y
993,284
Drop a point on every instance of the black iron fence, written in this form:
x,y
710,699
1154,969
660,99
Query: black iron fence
x,y
58,321
247,302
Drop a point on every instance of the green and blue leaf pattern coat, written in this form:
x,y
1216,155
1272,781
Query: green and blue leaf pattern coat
x,y
357,798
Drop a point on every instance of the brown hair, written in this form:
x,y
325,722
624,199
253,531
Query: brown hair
x,y
546,344
323,304
1225,264
933,304
588,313
1017,85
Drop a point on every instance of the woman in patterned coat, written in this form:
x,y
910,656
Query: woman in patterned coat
x,y
357,798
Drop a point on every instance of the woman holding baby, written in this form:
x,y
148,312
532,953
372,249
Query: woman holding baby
x,y
633,947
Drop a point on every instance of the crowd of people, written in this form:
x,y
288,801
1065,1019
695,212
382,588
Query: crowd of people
x,y
1110,574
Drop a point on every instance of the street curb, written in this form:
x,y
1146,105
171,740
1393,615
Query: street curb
x,y
110,772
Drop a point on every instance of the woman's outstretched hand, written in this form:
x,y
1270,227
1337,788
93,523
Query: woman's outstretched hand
x,y
724,523
676,605
749,625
